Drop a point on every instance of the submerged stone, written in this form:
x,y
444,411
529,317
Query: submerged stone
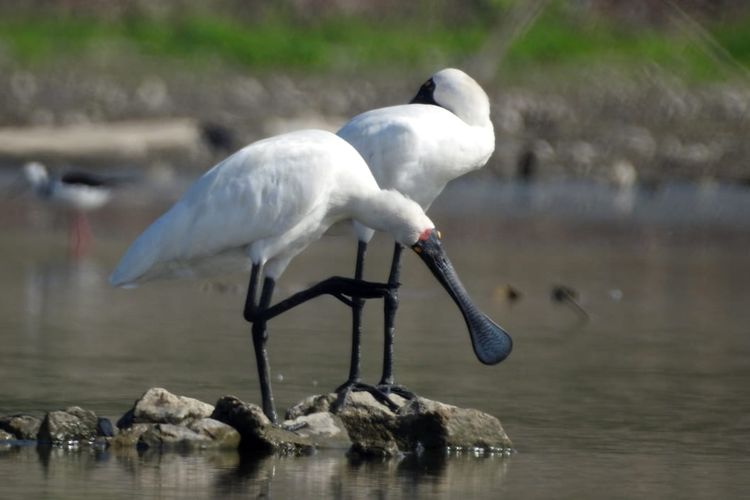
x,y
21,426
257,432
170,437
220,434
128,437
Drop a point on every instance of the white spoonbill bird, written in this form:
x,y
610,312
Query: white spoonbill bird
x,y
416,149
77,191
269,201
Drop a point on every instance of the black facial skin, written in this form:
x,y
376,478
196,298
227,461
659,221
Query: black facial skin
x,y
425,94
491,343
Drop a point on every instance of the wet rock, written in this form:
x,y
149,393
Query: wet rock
x,y
170,437
72,424
311,404
104,427
375,430
160,406
128,437
220,434
21,426
257,432
6,436
324,429
198,435
372,427
432,424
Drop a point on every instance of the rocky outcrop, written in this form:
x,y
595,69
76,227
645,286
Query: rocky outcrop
x,y
419,424
160,406
258,433
162,421
74,424
21,426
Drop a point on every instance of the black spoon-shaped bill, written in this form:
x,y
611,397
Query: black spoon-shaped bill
x,y
491,343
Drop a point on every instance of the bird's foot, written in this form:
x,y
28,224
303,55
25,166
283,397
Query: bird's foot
x,y
400,390
344,390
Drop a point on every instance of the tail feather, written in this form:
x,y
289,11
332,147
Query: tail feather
x,y
147,251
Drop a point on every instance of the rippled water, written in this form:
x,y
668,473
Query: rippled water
x,y
648,397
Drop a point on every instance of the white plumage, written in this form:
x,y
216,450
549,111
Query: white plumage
x,y
265,204
418,148
68,191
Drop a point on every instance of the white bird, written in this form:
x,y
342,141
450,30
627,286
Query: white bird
x,y
78,191
416,149
270,200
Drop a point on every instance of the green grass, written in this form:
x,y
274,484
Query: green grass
x,y
555,40
267,45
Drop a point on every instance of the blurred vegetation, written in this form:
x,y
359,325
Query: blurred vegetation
x,y
697,43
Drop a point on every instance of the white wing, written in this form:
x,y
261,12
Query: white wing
x,y
260,192
417,149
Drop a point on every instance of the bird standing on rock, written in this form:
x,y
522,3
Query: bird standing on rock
x,y
416,149
264,205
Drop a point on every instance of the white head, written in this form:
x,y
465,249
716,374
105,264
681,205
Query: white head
x,y
457,92
36,175
392,212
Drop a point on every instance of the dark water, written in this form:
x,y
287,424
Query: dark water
x,y
649,397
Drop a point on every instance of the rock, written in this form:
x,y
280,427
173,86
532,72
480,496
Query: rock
x,y
311,404
6,436
221,434
257,433
170,437
160,406
21,426
432,424
104,427
375,430
371,426
128,437
324,429
71,424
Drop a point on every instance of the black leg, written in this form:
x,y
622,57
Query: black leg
x,y
260,335
358,304
353,383
337,286
251,308
390,306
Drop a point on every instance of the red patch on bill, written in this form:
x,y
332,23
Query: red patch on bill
x,y
425,234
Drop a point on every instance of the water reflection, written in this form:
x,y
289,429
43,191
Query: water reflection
x,y
230,474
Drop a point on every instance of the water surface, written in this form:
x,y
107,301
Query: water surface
x,y
647,397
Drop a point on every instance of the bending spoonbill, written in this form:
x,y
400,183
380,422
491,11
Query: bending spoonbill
x,y
78,191
266,203
416,149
